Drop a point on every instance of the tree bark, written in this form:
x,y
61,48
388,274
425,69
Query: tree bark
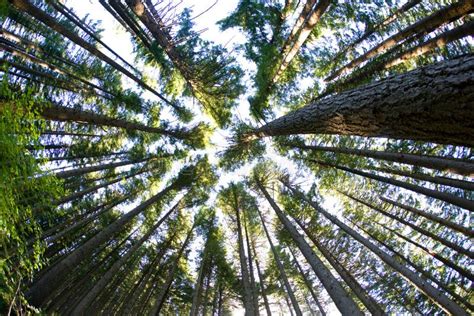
x,y
443,196
416,228
459,228
338,294
262,286
53,278
430,291
251,271
453,165
423,26
281,269
40,15
433,103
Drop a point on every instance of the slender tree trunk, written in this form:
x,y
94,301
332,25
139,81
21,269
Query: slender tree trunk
x,y
64,133
86,156
87,300
307,283
197,289
40,15
248,300
52,280
459,228
338,294
462,272
394,58
170,277
251,271
416,228
281,269
453,165
430,291
455,183
423,26
443,196
432,103
262,286
392,17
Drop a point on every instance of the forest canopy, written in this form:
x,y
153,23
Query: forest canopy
x,y
237,157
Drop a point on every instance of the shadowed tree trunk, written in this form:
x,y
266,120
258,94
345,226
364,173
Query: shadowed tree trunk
x,y
432,103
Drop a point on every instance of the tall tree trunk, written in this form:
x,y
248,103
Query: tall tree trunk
x,y
53,278
394,58
430,291
67,114
415,227
453,165
40,15
423,26
435,218
170,277
338,294
443,196
281,269
392,17
251,271
197,288
307,283
432,103
91,295
262,283
248,300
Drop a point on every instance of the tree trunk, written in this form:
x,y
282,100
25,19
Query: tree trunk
x,y
307,283
197,288
248,300
416,228
394,58
462,272
281,269
453,165
170,277
40,15
432,103
392,17
87,300
423,26
435,218
251,271
443,196
53,278
262,287
430,291
338,294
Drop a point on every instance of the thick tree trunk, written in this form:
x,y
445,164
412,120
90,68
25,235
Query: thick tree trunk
x,y
281,269
416,228
248,300
433,103
435,218
155,311
430,291
453,165
92,294
443,196
53,278
40,15
423,26
307,283
338,294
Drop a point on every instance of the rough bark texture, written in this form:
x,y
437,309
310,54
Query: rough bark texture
x,y
338,294
421,284
433,103
424,26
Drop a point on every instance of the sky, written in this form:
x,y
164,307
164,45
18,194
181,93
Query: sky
x,y
120,41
